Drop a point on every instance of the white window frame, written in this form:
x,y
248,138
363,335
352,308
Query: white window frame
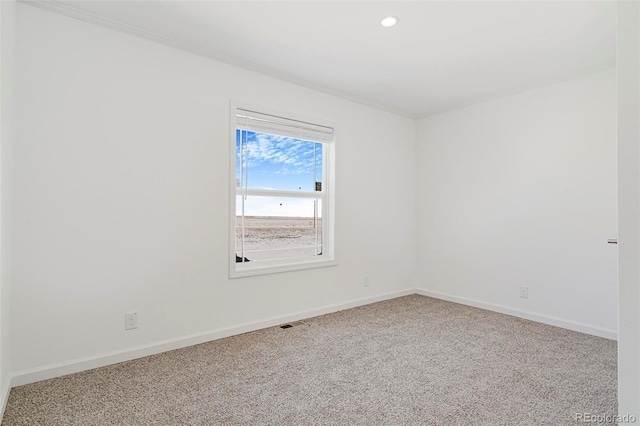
x,y
327,195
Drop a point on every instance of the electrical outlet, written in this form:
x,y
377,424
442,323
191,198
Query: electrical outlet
x,y
365,281
524,292
130,320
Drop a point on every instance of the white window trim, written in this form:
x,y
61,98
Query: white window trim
x,y
328,258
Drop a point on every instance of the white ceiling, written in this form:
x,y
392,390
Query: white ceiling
x,y
442,54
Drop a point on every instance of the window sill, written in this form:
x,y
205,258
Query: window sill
x,y
248,270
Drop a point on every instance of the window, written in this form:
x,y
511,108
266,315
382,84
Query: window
x,y
281,208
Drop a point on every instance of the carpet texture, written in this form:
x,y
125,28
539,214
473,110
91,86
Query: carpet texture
x,y
413,360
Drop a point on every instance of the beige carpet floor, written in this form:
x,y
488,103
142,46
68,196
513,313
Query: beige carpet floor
x,y
408,361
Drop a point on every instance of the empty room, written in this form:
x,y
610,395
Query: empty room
x,y
305,212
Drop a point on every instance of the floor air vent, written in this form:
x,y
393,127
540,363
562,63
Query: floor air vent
x,y
293,324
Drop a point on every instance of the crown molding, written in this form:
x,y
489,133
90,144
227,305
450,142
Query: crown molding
x,y
81,15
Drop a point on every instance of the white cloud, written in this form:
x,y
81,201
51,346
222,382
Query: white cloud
x,y
292,155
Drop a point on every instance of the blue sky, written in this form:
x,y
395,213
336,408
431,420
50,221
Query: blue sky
x,y
280,163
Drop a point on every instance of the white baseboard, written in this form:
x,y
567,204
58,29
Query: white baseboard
x,y
24,377
544,319
5,389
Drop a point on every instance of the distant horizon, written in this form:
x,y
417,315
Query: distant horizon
x,y
277,163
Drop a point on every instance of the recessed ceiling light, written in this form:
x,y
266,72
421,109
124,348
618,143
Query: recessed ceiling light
x,y
389,21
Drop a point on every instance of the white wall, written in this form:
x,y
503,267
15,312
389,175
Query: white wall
x,y
628,78
121,167
120,200
521,191
6,65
